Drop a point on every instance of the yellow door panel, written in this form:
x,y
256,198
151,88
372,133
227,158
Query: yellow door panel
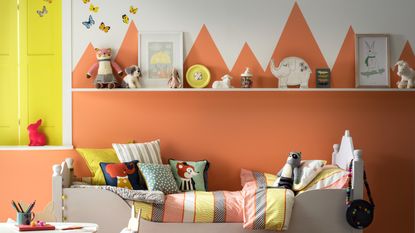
x,y
41,85
8,74
42,31
45,95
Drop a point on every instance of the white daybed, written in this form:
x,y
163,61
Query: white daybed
x,y
317,211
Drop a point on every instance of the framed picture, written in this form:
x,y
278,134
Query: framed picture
x,y
159,53
372,60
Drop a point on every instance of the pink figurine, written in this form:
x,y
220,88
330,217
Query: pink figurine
x,y
103,68
174,81
36,138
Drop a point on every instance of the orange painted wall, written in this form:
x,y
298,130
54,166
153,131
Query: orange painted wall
x,y
240,130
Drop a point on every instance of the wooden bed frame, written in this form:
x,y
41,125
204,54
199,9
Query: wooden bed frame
x,y
317,211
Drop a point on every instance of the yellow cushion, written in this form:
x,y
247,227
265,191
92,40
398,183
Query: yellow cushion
x,y
93,157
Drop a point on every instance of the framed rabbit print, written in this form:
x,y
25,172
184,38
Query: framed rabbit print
x,y
372,61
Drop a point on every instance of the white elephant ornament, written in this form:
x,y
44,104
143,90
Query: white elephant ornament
x,y
291,71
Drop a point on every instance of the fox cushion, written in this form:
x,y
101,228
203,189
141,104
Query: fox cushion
x,y
190,176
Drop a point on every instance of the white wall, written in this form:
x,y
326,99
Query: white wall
x,y
258,22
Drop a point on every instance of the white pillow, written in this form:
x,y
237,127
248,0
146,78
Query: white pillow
x,y
148,152
308,170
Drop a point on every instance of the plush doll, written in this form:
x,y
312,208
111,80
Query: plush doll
x,y
103,68
174,81
290,173
131,80
407,75
36,138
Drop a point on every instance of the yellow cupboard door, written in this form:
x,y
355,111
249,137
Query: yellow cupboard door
x,y
41,71
8,74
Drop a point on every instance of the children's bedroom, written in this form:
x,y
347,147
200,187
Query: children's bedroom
x,y
195,116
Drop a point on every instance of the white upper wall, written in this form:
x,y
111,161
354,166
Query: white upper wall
x,y
258,22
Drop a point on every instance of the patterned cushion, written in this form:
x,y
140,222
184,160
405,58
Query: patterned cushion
x,y
92,159
189,175
148,152
331,177
158,177
123,175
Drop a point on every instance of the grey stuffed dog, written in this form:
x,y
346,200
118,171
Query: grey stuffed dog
x,y
132,78
290,173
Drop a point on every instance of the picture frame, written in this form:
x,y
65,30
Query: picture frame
x,y
159,53
372,61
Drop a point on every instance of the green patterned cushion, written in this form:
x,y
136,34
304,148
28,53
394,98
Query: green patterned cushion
x,y
158,177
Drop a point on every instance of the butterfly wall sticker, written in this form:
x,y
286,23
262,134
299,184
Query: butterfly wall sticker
x,y
125,19
133,10
88,24
104,27
93,8
86,1
42,12
48,1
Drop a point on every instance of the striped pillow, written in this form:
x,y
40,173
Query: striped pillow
x,y
148,152
331,177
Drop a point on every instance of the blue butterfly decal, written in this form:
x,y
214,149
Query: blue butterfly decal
x,y
88,24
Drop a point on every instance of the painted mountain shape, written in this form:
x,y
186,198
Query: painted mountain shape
x,y
248,59
343,73
204,51
297,40
88,58
406,55
128,52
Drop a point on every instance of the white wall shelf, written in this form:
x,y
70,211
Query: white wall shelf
x,y
34,148
246,90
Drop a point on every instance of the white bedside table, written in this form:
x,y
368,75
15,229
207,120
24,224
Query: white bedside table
x,y
87,227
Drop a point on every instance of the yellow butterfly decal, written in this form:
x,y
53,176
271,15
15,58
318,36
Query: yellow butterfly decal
x,y
104,28
125,19
48,1
86,1
133,10
93,8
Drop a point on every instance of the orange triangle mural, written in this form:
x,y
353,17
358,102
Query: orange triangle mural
x,y
79,79
205,52
128,52
297,40
343,73
406,55
248,59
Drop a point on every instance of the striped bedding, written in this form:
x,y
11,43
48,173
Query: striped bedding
x,y
256,208
195,207
265,208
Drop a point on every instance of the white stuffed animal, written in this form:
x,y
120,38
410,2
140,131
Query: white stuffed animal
x,y
133,223
224,84
407,75
131,80
291,71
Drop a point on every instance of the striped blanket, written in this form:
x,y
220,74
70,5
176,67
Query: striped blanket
x,y
195,207
256,208
265,208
